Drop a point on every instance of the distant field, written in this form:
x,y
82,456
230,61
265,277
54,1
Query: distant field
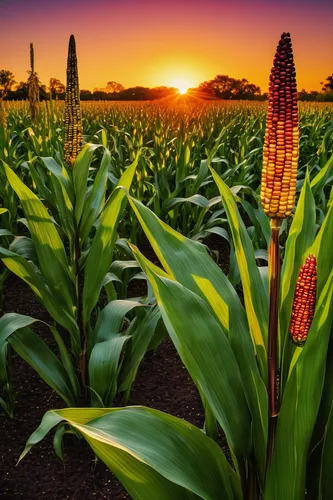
x,y
177,139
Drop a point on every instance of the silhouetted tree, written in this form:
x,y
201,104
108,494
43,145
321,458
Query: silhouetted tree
x,y
114,87
328,85
6,82
56,88
85,95
21,91
99,95
225,87
304,95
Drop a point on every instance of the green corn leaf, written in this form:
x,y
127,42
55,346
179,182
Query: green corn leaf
x,y
326,492
105,355
207,355
61,174
62,196
80,176
64,207
48,244
19,266
95,200
40,181
35,352
321,422
256,300
319,181
11,322
141,331
13,329
100,255
154,455
103,367
112,316
196,199
322,247
24,246
58,440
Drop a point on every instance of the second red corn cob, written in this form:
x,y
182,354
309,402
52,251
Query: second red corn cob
x,y
304,301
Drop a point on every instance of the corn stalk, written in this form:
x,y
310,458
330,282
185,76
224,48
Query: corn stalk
x,y
278,189
33,87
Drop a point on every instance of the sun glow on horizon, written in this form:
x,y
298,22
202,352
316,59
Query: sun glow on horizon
x,y
182,85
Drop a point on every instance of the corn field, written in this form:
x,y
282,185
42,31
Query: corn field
x,y
96,197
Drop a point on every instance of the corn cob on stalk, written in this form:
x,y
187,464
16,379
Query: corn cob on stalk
x,y
278,186
280,158
73,121
33,87
304,301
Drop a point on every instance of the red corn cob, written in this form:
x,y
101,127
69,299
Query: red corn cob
x,y
280,156
304,301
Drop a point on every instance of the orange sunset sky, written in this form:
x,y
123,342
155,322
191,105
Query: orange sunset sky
x,y
180,43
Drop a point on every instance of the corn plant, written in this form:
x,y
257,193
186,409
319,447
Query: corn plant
x,y
66,260
225,347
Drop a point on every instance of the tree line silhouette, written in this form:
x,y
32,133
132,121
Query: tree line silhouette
x,y
220,87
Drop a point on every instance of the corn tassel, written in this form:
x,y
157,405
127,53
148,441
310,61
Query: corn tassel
x,y
280,156
304,301
33,87
73,121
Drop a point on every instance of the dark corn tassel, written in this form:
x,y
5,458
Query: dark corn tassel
x,y
33,87
73,121
304,301
280,159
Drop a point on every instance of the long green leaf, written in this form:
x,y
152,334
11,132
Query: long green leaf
x,y
94,201
155,455
24,270
80,176
100,255
141,330
207,355
255,297
13,329
319,181
322,247
103,367
326,491
48,244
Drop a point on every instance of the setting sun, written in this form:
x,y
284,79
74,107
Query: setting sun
x,y
182,85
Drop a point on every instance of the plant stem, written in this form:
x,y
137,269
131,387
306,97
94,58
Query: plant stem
x,y
79,284
253,486
274,267
243,478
